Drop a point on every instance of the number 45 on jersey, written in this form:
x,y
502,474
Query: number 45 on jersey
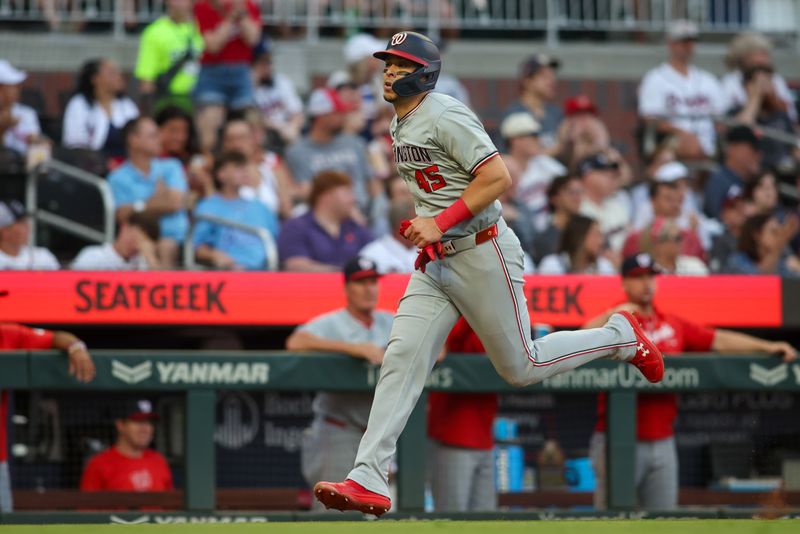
x,y
429,179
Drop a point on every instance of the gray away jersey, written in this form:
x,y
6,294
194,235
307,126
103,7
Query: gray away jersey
x,y
339,325
437,147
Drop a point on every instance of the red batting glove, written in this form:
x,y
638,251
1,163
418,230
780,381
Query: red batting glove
x,y
428,254
404,225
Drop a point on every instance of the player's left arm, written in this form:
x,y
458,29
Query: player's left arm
x,y
730,341
491,180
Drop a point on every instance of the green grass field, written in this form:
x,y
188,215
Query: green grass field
x,y
709,526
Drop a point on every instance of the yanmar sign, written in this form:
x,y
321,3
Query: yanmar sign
x,y
285,299
623,376
192,373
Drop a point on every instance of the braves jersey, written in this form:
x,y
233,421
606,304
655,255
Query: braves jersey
x,y
438,147
691,101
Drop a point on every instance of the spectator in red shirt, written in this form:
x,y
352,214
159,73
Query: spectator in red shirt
x,y
230,29
18,337
129,465
460,427
656,456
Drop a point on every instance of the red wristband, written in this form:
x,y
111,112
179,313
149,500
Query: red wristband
x,y
458,212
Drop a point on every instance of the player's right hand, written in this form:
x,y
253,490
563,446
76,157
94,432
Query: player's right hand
x,y
370,352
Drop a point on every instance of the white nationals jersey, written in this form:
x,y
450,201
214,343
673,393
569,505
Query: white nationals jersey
x,y
438,146
690,100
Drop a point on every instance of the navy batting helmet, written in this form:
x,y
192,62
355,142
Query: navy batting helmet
x,y
422,51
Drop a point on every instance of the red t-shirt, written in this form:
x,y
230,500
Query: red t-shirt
x,y
462,419
235,50
111,471
656,412
17,337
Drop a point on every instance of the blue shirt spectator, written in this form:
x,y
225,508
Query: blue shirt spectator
x,y
244,248
223,246
130,185
326,237
155,186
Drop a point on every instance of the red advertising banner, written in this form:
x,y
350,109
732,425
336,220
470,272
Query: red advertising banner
x,y
223,298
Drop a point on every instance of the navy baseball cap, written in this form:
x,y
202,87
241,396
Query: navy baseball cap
x,y
536,62
743,134
638,265
135,410
596,162
11,211
360,268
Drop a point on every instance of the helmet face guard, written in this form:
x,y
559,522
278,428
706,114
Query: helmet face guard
x,y
418,49
421,80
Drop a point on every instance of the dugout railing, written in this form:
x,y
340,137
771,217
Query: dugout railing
x,y
199,375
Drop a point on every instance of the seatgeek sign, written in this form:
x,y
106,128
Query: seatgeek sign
x,y
286,299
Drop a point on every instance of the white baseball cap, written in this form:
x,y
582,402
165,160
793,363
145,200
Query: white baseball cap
x,y
680,30
360,46
671,172
9,75
326,100
518,125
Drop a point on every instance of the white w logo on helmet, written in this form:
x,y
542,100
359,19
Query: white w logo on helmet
x,y
398,38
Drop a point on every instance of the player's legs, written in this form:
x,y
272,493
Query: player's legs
x,y
658,487
453,475
483,497
328,453
424,318
487,287
6,504
597,453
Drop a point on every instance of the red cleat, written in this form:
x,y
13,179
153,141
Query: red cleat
x,y
648,358
350,495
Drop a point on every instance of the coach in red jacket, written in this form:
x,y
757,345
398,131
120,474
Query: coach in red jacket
x,y
18,337
656,456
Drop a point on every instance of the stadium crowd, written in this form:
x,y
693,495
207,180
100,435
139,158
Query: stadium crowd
x,y
214,132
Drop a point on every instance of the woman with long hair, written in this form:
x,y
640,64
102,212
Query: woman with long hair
x,y
762,247
580,250
98,110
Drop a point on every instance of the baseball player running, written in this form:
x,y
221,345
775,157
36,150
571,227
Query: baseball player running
x,y
469,264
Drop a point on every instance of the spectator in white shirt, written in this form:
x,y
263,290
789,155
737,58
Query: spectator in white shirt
x,y
365,71
98,111
134,248
15,230
393,253
601,200
276,97
520,132
19,125
682,99
750,52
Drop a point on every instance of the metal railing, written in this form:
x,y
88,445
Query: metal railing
x,y
777,17
63,223
267,241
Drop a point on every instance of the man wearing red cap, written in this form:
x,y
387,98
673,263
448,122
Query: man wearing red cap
x,y
656,455
130,464
326,148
